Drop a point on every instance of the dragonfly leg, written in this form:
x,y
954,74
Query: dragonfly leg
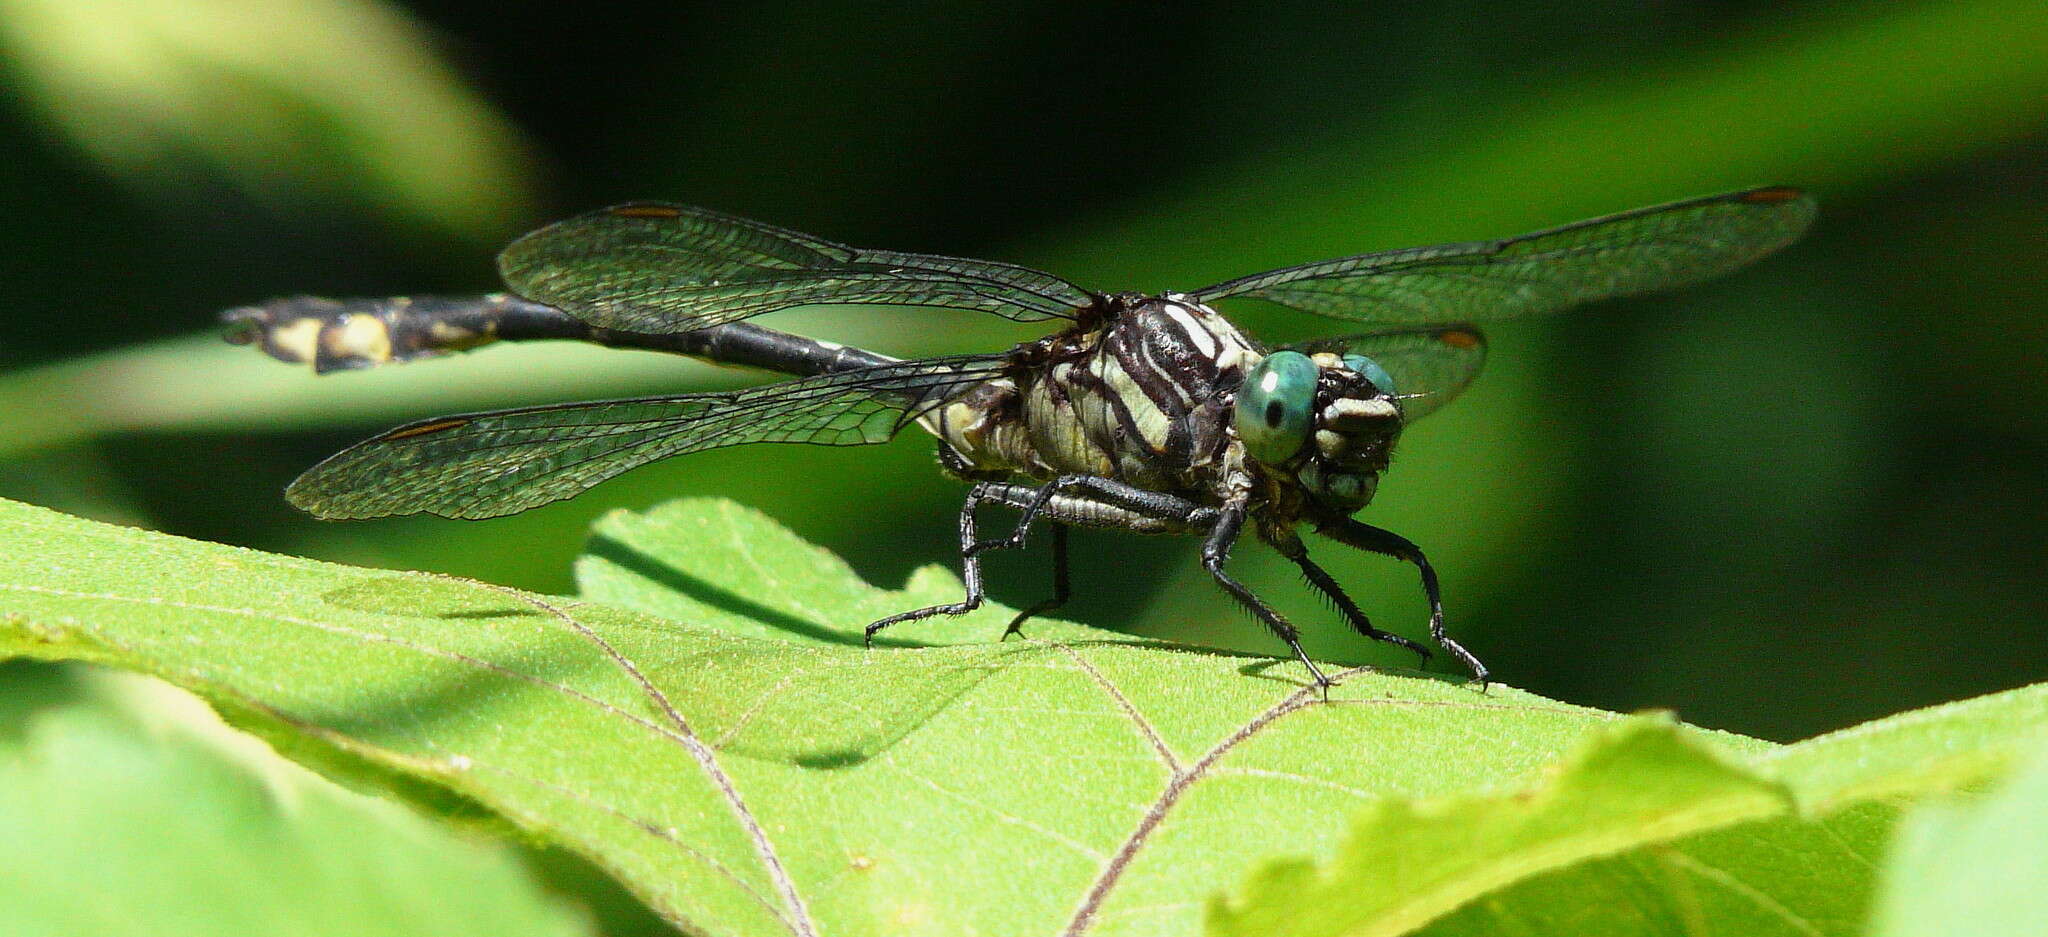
x,y
1295,550
970,570
1375,540
1216,551
1029,513
1105,503
1106,495
1061,585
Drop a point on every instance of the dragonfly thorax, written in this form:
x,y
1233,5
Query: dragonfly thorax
x,y
1142,397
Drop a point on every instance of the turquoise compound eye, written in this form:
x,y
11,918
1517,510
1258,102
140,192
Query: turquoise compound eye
x,y
1276,406
1371,371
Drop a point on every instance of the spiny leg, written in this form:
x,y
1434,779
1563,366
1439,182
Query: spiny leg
x,y
1101,502
1061,585
1095,489
1216,551
1385,542
1110,504
1295,550
970,571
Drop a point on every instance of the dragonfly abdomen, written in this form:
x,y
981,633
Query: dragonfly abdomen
x,y
347,334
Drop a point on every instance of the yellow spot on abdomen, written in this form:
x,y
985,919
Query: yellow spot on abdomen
x,y
300,339
360,336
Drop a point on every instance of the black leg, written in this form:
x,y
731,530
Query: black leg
x,y
1216,551
1293,549
1061,585
1108,503
1028,514
1098,492
1374,540
970,571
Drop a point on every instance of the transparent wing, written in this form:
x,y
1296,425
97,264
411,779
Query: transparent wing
x,y
655,267
1633,252
488,464
1430,366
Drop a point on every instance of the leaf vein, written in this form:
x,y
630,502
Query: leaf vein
x,y
1298,779
649,827
799,920
1757,897
1144,726
1177,786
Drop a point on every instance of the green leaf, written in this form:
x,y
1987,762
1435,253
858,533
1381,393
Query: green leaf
x,y
705,725
1949,747
1779,841
112,828
1406,864
1973,869
1758,879
746,783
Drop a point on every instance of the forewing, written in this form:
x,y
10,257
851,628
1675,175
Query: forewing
x,y
1639,251
661,268
1430,366
489,464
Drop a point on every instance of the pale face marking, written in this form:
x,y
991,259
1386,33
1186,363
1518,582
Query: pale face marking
x,y
1353,408
1330,444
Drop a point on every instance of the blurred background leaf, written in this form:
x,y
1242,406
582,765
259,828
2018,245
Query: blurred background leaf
x,y
1971,868
340,99
131,809
1786,502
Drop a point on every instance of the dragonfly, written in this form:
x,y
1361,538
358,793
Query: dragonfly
x,y
1151,414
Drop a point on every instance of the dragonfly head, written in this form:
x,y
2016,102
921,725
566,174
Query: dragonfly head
x,y
1328,419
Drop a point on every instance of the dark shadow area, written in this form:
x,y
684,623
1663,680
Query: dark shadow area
x,y
33,686
832,758
614,910
417,597
548,654
1258,670
829,718
668,577
372,713
757,701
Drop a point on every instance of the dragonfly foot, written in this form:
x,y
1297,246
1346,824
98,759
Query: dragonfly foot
x,y
1322,681
957,608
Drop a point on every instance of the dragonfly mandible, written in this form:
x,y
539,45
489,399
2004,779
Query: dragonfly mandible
x,y
1142,413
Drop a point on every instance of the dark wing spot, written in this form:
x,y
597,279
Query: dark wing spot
x,y
422,429
1458,338
1275,413
1776,193
647,210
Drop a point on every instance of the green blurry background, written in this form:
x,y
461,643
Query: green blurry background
x,y
1800,497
